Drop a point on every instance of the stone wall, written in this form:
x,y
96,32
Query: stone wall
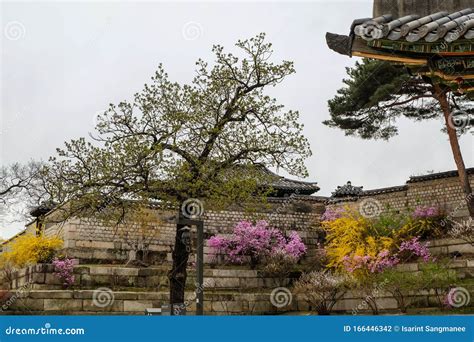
x,y
95,241
445,192
231,290
236,290
92,240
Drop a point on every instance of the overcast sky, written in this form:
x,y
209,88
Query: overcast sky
x,y
63,62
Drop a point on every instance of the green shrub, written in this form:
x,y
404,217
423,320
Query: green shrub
x,y
438,277
321,290
400,284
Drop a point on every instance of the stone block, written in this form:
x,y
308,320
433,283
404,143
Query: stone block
x,y
51,278
51,294
24,304
149,296
458,264
103,244
69,243
227,282
247,274
260,307
37,278
84,243
251,283
103,254
126,271
136,305
441,250
209,282
463,248
125,281
101,270
227,306
62,305
80,253
112,305
96,280
149,271
82,294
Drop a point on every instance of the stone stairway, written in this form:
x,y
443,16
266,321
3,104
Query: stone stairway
x,y
118,289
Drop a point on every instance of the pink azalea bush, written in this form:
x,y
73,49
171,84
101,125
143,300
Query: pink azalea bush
x,y
64,269
407,251
256,241
332,214
414,247
426,212
376,264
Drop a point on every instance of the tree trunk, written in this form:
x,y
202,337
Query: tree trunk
x,y
178,274
440,95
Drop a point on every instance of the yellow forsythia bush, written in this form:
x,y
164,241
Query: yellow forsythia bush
x,y
30,249
352,234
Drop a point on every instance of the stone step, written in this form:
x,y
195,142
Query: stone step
x,y
128,302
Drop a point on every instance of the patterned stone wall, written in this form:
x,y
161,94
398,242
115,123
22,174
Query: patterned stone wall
x,y
90,239
445,192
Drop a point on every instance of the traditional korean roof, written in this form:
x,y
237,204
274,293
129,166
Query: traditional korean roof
x,y
284,186
439,45
438,175
409,37
437,26
386,190
42,209
347,190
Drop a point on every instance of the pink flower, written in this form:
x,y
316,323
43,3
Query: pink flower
x,y
332,214
414,247
256,241
64,269
376,264
425,212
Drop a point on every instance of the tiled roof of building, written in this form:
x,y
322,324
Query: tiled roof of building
x,y
437,26
384,190
438,175
42,209
285,185
347,190
362,193
282,187
439,46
